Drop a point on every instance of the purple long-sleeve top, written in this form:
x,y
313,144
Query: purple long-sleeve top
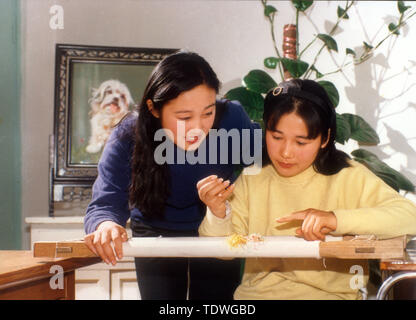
x,y
184,210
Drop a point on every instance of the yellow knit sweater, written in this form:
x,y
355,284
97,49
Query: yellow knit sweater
x,y
362,203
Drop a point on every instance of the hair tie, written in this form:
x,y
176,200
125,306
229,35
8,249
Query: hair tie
x,y
277,91
299,93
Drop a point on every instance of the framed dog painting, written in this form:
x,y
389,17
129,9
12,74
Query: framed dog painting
x,y
94,88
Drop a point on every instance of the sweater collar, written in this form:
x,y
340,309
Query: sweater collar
x,y
302,177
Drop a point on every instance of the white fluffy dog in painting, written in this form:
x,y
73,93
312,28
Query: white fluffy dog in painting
x,y
109,104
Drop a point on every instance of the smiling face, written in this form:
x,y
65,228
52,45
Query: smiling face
x,y
189,117
288,146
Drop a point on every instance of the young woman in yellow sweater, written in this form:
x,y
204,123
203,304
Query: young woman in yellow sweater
x,y
308,188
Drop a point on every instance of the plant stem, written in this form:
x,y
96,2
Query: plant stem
x,y
309,44
402,21
332,30
309,70
339,69
271,20
365,56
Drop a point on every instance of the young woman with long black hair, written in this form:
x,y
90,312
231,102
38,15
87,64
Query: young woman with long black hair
x,y
161,197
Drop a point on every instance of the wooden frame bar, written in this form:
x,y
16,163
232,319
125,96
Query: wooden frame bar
x,y
272,246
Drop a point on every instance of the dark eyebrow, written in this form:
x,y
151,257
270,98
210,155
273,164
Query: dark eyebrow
x,y
183,111
186,111
302,137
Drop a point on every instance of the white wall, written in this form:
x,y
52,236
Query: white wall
x,y
234,37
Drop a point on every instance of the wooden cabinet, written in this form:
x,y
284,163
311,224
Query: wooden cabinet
x,y
95,282
92,284
124,285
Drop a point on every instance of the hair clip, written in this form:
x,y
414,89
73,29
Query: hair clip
x,y
277,91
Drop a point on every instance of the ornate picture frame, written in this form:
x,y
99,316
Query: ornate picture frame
x,y
82,73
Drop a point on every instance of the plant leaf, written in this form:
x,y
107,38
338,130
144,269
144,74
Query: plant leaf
x,y
271,62
302,5
252,102
318,74
332,91
295,67
351,52
392,27
329,41
361,131
269,10
343,130
259,81
402,7
342,12
367,47
390,176
364,154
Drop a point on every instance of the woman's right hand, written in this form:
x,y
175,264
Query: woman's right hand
x,y
100,241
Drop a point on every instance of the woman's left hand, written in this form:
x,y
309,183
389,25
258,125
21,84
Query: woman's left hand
x,y
316,223
214,191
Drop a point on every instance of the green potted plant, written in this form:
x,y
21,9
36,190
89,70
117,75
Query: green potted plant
x,y
349,126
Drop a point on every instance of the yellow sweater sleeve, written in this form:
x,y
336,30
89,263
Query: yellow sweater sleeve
x,y
239,207
379,209
212,226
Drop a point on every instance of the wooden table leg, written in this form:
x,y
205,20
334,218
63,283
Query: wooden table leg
x,y
70,285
